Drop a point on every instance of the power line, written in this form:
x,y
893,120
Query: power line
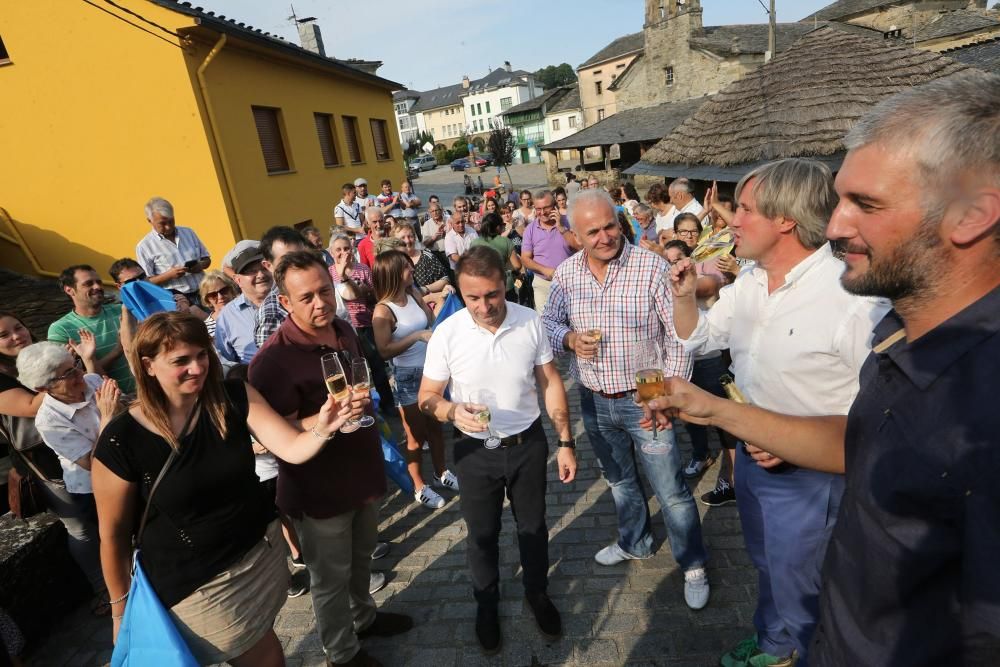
x,y
128,23
144,19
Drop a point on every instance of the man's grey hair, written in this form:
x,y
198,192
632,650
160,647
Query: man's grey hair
x,y
645,210
543,193
373,213
679,185
161,206
37,364
588,198
459,198
948,127
797,189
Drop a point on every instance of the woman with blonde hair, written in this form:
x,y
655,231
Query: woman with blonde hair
x,y
429,275
216,290
402,324
212,547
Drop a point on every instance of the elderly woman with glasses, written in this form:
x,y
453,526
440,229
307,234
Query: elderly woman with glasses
x,y
75,407
216,290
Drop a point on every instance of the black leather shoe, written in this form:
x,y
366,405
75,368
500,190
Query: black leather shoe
x,y
546,615
387,624
488,628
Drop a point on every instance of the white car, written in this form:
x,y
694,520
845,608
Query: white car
x,y
423,163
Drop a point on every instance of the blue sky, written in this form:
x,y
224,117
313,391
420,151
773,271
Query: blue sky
x,y
430,43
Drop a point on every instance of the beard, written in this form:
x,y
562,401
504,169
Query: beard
x,y
910,270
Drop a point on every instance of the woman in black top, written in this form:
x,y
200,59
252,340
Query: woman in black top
x,y
211,548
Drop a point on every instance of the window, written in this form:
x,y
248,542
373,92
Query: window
x,y
479,109
351,137
620,66
506,103
268,122
381,137
401,108
600,114
597,72
555,124
572,122
4,56
598,87
327,142
668,76
487,106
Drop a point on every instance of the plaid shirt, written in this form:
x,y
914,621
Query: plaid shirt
x,y
270,315
633,304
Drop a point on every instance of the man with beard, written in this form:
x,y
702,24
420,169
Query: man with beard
x,y
910,574
797,341
82,284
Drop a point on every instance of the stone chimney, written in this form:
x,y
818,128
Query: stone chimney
x,y
310,37
506,66
465,82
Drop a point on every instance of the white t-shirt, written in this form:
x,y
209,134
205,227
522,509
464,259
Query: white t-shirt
x,y
456,244
666,220
70,430
351,215
502,365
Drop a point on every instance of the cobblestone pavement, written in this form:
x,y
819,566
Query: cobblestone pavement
x,y
628,614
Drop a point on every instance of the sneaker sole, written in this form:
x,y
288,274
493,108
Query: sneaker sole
x,y
292,596
724,502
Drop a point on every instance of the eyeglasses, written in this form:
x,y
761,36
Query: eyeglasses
x,y
141,276
74,370
687,232
543,209
212,296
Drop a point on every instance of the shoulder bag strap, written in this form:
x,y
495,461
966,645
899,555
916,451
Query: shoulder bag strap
x,y
159,478
33,468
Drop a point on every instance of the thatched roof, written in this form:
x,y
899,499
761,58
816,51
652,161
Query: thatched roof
x,y
983,55
622,46
631,125
801,103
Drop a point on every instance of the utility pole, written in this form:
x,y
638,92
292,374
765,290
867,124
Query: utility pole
x,y
770,30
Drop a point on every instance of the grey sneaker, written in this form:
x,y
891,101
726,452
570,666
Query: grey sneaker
x,y
614,554
696,588
381,550
376,582
695,467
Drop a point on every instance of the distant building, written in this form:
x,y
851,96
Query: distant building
x,y
531,122
118,103
596,75
407,122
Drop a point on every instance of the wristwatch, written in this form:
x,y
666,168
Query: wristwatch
x,y
569,444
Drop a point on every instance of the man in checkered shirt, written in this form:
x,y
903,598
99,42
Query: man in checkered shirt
x,y
623,291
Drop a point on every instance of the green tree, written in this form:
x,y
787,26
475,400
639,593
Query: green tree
x,y
554,76
501,144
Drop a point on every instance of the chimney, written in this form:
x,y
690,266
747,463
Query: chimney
x,y
310,36
465,82
506,65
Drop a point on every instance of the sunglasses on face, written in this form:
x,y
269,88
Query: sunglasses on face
x,y
212,296
141,276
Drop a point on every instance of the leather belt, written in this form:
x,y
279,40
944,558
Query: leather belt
x,y
616,395
514,440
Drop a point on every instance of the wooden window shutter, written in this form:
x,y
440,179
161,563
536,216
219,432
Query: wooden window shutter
x,y
327,144
381,138
351,137
271,144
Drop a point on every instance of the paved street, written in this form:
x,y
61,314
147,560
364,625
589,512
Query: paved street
x,y
633,613
446,183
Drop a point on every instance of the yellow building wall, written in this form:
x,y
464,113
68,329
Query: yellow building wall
x,y
238,79
98,116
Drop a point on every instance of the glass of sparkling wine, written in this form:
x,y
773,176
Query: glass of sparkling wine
x,y
336,384
649,385
361,380
484,416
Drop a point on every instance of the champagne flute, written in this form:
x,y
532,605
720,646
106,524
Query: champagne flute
x,y
361,380
649,385
336,383
485,416
596,334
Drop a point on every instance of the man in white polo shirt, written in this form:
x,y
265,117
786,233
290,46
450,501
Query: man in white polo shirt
x,y
496,357
347,213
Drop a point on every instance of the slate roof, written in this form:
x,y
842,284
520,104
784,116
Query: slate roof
x,y
568,102
631,125
619,47
447,96
220,23
802,103
405,94
982,55
553,95
843,8
749,38
955,23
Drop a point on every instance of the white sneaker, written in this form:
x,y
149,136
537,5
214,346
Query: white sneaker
x,y
696,588
614,554
696,467
448,481
425,495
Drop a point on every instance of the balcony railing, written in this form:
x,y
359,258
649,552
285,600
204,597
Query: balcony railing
x,y
535,138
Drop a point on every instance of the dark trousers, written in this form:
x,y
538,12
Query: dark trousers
x,y
705,376
485,476
377,365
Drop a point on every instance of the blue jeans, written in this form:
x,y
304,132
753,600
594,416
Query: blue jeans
x,y
705,376
787,519
612,427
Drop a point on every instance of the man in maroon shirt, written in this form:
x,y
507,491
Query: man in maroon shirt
x,y
333,499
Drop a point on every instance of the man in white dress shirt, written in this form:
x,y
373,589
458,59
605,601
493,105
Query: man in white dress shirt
x,y
798,341
173,257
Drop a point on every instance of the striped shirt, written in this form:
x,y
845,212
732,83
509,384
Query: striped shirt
x,y
633,304
158,254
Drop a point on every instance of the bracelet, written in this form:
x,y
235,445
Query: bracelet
x,y
117,618
121,599
319,435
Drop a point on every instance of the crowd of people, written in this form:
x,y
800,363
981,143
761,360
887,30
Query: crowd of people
x,y
839,351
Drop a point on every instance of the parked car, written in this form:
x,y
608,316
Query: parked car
x,y
423,163
488,157
481,162
461,164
